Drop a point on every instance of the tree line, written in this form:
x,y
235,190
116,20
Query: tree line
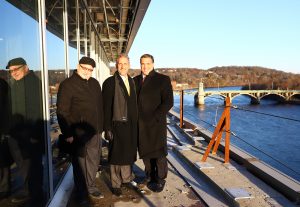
x,y
252,77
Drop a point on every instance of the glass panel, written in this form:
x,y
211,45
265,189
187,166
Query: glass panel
x,y
23,162
56,74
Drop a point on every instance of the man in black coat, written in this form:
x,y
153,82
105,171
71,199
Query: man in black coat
x,y
80,117
155,99
26,130
120,124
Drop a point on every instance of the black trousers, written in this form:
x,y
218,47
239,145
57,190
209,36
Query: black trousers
x,y
156,169
85,168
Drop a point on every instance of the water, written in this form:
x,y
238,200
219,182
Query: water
x,y
278,138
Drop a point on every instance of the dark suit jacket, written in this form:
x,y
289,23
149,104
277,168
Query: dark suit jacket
x,y
123,148
155,99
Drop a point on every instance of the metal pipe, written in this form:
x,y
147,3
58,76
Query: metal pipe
x,y
45,93
108,32
77,29
181,108
66,37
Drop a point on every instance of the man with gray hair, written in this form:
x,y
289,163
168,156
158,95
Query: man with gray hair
x,y
120,125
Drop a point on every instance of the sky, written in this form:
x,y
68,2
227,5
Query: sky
x,y
208,33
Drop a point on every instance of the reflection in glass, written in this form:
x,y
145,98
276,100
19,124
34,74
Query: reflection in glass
x,y
56,74
23,163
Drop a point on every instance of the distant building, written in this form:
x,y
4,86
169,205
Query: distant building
x,y
182,86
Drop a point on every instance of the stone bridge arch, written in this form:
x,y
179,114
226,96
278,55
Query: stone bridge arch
x,y
295,95
254,99
281,97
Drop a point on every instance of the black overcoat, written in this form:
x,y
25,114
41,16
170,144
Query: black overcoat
x,y
80,110
155,99
123,148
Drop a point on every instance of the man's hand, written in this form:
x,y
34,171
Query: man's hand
x,y
70,140
108,135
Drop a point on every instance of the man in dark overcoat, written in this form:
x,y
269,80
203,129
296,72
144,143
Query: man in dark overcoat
x,y
26,131
120,124
155,99
80,117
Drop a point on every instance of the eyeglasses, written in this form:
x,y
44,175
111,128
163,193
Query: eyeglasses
x,y
16,69
86,69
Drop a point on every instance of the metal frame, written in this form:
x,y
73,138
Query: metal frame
x,y
45,91
66,36
77,29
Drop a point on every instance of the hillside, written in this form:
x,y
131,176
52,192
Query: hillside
x,y
253,76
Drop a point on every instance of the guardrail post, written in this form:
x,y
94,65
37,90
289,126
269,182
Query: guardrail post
x,y
181,108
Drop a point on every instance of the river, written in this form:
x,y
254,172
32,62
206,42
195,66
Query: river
x,y
274,140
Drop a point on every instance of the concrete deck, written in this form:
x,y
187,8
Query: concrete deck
x,y
176,193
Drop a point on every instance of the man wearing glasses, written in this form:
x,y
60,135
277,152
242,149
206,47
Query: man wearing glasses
x,y
25,135
80,117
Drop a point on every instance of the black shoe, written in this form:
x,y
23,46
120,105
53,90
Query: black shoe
x,y
117,191
151,186
96,195
156,187
160,187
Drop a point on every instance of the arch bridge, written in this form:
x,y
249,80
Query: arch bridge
x,y
255,95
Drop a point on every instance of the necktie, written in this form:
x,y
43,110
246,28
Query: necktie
x,y
127,86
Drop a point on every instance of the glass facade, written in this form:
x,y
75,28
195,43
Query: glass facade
x,y
40,44
56,65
